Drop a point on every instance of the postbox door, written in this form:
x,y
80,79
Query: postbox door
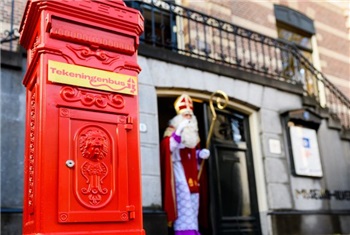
x,y
93,162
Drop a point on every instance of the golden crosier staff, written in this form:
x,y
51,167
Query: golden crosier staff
x,y
221,105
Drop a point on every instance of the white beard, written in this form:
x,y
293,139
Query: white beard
x,y
189,136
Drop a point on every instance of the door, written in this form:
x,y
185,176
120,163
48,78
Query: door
x,y
93,166
233,201
227,184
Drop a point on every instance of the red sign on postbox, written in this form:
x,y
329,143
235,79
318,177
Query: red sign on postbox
x,y
82,155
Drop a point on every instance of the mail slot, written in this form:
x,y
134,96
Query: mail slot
x,y
82,155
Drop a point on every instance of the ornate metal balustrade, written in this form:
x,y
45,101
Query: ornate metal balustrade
x,y
195,34
328,95
10,36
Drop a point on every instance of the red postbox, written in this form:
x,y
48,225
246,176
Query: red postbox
x,y
82,155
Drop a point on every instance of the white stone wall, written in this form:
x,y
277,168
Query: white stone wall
x,y
269,104
276,164
12,117
151,195
264,105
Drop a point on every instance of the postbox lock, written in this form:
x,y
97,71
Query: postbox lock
x,y
70,163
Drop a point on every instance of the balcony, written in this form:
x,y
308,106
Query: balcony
x,y
194,34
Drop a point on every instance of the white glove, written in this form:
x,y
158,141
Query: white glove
x,y
204,153
181,126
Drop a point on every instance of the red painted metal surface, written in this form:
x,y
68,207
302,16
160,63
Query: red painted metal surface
x,y
82,155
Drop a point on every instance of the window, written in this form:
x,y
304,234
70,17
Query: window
x,y
159,22
299,39
229,128
296,29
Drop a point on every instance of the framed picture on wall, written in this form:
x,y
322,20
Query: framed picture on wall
x,y
305,151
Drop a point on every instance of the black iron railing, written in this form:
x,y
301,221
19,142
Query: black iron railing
x,y
328,94
198,35
11,35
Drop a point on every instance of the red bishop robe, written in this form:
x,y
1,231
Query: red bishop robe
x,y
168,182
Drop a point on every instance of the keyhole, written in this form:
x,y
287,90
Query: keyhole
x,y
70,163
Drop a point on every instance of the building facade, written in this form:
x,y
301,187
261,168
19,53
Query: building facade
x,y
280,148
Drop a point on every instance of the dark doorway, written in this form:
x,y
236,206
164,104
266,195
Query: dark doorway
x,y
228,183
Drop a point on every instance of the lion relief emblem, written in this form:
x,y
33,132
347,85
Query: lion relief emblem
x,y
94,145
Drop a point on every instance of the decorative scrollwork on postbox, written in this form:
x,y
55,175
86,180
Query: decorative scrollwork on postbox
x,y
88,98
84,53
32,154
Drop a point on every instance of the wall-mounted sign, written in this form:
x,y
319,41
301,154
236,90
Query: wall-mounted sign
x,y
305,151
322,194
91,78
275,146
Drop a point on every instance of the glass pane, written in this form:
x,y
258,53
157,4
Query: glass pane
x,y
237,129
294,37
222,128
229,127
